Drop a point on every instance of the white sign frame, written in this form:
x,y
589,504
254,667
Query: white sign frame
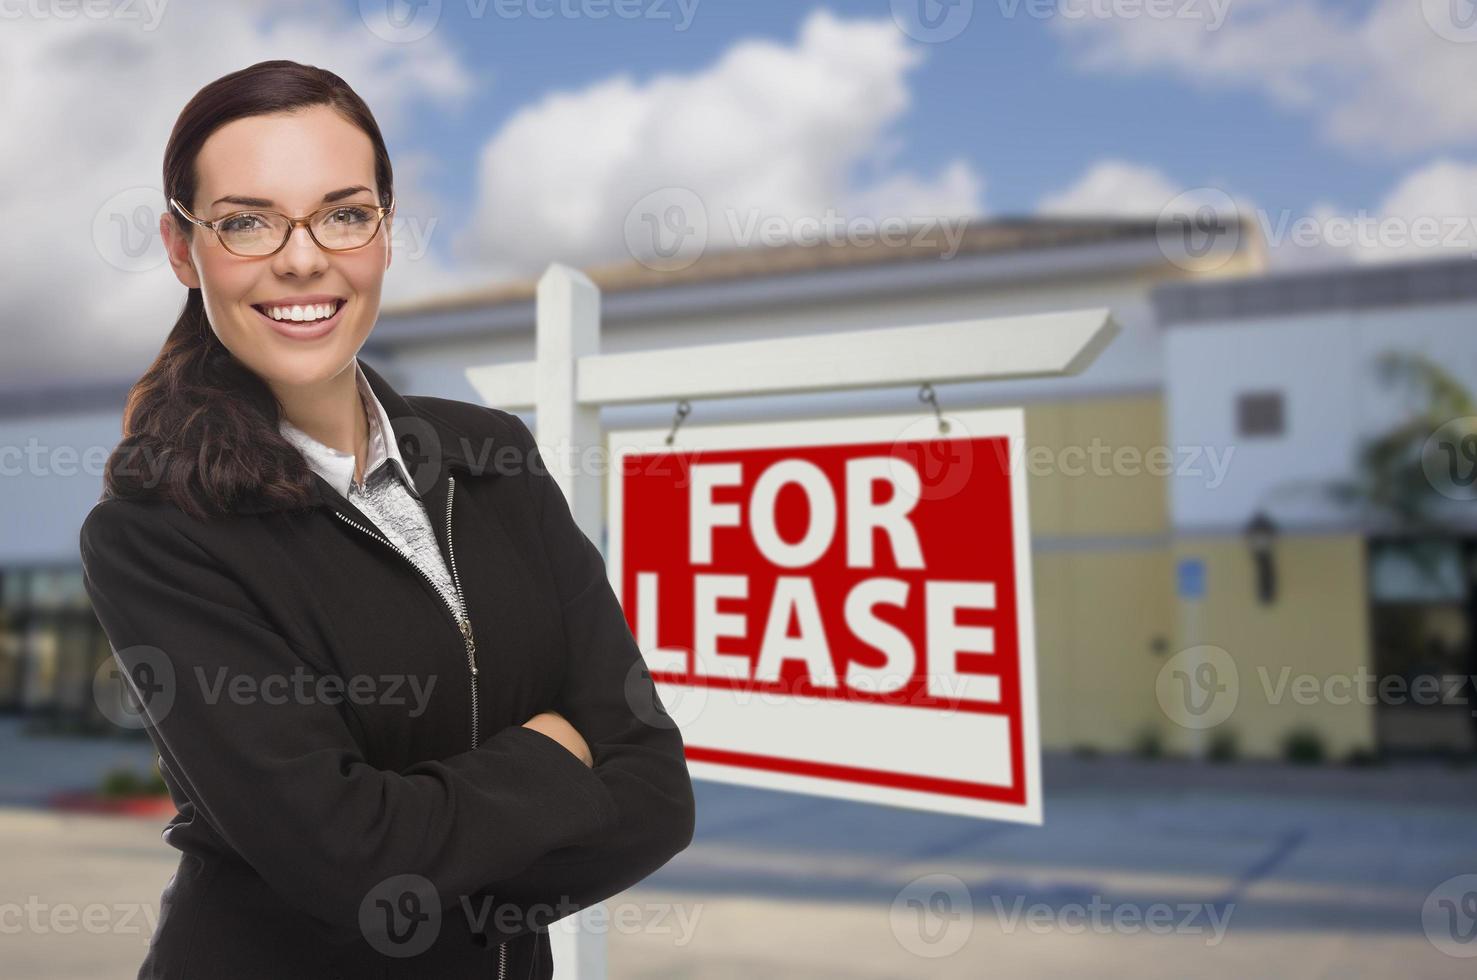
x,y
969,423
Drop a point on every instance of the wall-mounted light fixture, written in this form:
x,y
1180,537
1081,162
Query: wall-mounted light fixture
x,y
1261,537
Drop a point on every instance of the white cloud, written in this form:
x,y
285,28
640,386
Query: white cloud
x,y
1432,212
87,105
770,130
1113,187
1391,77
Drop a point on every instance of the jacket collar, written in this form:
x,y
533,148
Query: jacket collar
x,y
430,447
337,467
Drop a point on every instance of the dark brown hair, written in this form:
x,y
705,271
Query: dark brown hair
x,y
200,428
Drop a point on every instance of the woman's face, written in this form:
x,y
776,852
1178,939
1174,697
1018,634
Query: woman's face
x,y
293,163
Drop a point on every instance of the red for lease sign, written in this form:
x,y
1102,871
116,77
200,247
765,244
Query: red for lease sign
x,y
839,607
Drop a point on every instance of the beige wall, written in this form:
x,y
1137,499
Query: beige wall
x,y
1108,619
1317,627
1101,561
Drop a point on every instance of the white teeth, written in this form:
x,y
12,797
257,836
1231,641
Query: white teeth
x,y
315,311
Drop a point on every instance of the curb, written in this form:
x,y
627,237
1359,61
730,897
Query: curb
x,y
87,801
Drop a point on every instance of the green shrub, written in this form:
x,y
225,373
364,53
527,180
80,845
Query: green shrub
x,y
1150,744
1303,746
121,782
156,785
1222,747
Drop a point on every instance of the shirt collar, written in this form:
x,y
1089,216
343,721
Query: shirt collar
x,y
338,467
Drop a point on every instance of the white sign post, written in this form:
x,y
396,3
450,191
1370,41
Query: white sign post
x,y
570,380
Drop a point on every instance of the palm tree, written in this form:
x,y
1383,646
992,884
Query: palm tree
x,y
1417,481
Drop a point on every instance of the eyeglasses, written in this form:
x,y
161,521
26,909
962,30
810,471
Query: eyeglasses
x,y
256,233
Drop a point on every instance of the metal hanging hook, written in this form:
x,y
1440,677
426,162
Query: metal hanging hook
x,y
925,394
682,409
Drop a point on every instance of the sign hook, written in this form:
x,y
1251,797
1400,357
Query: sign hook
x,y
925,394
682,409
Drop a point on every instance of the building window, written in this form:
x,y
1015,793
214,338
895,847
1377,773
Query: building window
x,y
1260,413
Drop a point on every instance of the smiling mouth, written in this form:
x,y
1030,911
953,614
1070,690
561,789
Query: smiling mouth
x,y
332,312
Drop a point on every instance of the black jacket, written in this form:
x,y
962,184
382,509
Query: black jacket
x,y
355,800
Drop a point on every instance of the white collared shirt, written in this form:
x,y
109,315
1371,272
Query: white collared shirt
x,y
387,494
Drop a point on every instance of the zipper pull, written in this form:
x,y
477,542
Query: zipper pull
x,y
466,625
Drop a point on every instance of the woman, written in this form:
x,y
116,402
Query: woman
x,y
393,695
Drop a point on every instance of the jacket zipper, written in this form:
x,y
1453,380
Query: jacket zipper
x,y
463,625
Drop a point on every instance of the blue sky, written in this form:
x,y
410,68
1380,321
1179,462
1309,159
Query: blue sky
x,y
520,140
1005,94
1302,108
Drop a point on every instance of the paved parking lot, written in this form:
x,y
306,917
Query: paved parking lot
x,y
1143,869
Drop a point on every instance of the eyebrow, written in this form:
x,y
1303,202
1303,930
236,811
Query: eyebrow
x,y
262,202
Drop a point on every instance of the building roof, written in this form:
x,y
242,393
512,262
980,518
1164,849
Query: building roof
x,y
1357,287
979,237
1008,251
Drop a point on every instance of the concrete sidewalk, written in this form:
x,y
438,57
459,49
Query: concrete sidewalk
x,y
1145,869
